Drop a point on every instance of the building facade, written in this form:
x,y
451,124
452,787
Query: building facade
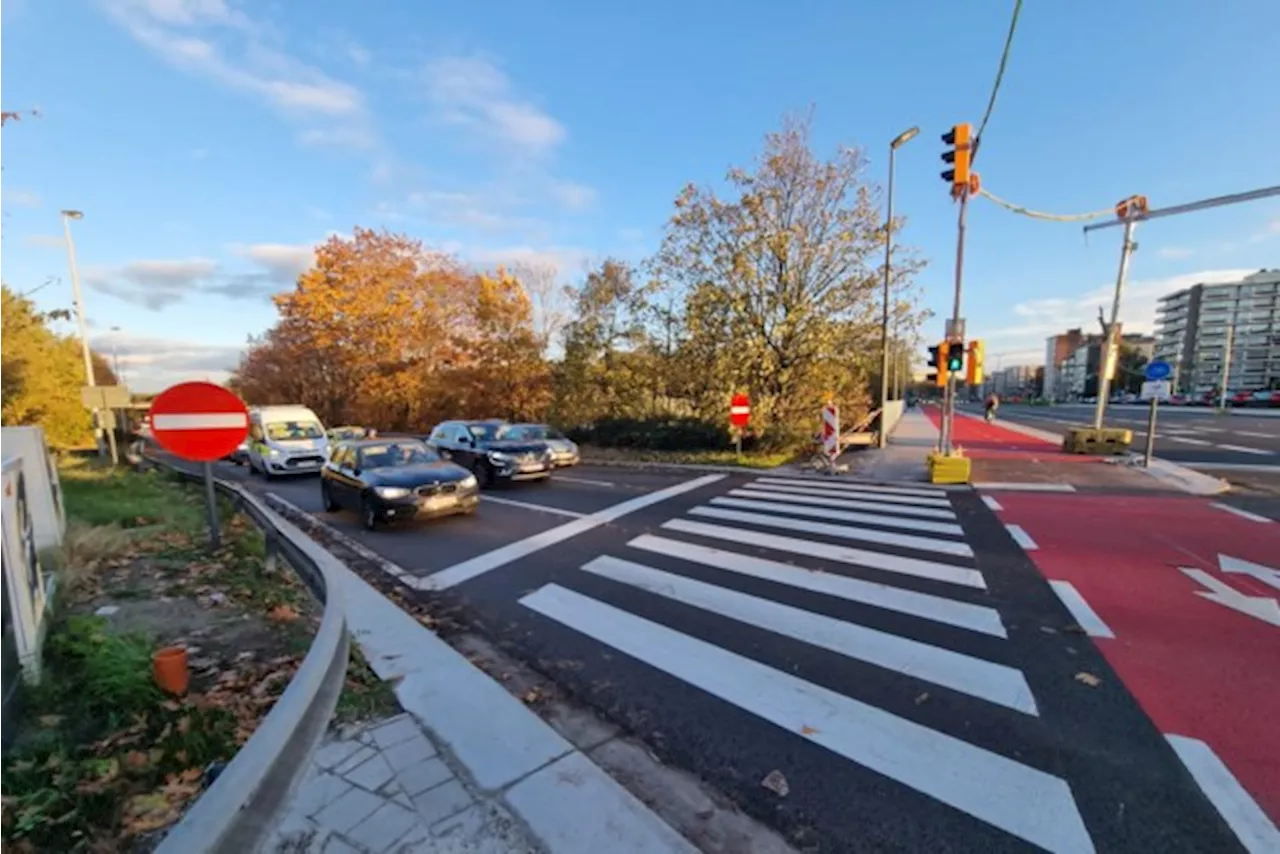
x,y
1236,325
1057,348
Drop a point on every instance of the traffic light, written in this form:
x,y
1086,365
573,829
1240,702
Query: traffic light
x,y
938,361
959,138
955,357
973,369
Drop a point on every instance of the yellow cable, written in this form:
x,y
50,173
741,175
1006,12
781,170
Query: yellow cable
x,y
1019,209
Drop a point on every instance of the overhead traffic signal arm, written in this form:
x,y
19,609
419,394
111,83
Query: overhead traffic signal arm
x,y
960,139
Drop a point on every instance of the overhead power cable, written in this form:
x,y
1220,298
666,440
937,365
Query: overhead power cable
x,y
995,89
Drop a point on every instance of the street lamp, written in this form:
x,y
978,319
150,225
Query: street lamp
x,y
67,216
898,141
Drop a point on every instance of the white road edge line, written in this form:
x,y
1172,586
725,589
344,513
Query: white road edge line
x,y
836,492
1241,813
571,479
967,674
480,564
925,606
855,485
1086,617
992,504
1021,537
1025,487
529,505
1243,450
1023,801
1243,514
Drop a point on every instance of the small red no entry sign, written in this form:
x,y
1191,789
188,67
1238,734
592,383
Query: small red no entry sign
x,y
198,421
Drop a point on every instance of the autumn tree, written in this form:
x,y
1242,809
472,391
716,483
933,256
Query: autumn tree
x,y
781,280
42,374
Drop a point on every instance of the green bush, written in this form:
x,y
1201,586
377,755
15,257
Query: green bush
x,y
656,434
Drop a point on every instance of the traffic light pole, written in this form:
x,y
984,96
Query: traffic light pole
x,y
949,400
1111,346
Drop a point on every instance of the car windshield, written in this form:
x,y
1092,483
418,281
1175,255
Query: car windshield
x,y
531,431
285,430
487,431
396,454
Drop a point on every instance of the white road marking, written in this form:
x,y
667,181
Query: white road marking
x,y
529,505
996,683
588,481
855,486
1018,799
836,492
1253,435
844,503
200,421
1184,440
939,609
1243,450
1243,514
480,564
991,503
845,516
1210,465
1241,813
1021,537
846,532
929,569
1086,617
1025,487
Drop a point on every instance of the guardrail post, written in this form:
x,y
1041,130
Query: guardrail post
x,y
271,562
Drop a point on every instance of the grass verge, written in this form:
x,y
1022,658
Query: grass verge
x,y
749,460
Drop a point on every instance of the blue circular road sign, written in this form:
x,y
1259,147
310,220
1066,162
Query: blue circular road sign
x,y
1158,370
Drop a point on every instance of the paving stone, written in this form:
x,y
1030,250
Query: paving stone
x,y
388,823
355,760
372,775
349,810
317,792
410,752
397,730
338,845
442,802
336,752
423,776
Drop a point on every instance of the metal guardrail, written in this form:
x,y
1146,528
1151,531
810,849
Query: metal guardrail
x,y
238,811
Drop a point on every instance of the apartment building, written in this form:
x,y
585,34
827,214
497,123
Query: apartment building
x,y
1198,327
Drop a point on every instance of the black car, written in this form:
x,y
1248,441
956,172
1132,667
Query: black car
x,y
387,480
492,451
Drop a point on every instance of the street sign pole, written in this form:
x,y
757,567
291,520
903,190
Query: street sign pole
x,y
1157,385
1151,433
211,509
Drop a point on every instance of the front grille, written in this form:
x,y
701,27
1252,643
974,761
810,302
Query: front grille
x,y
305,461
437,489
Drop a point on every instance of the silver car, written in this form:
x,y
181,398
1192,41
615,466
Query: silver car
x,y
564,451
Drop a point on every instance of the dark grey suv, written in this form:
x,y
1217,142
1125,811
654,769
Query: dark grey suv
x,y
492,451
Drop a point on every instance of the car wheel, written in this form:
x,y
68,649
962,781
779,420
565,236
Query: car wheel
x,y
483,472
368,515
326,498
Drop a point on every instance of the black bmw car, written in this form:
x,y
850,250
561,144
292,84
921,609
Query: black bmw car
x,y
492,451
388,480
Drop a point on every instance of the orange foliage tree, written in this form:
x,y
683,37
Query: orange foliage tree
x,y
383,331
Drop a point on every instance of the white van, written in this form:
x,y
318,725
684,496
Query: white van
x,y
286,440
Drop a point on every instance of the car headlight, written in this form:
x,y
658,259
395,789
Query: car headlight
x,y
499,457
391,492
548,454
468,482
573,448
273,453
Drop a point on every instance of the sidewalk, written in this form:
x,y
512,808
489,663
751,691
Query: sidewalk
x,y
904,457
467,768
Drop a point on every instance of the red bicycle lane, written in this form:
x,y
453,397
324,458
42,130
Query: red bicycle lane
x,y
1180,596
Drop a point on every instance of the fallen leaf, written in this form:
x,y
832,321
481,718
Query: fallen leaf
x,y
920,699
144,813
135,760
1088,679
775,782
807,730
283,614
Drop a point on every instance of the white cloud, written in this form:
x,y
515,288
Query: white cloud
x,y
1049,316
574,197
21,198
1174,253
340,136
359,55
157,284
475,93
152,364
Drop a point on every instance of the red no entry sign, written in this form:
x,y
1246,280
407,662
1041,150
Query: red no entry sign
x,y
198,421
739,410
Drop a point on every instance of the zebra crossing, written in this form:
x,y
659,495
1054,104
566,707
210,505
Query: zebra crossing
x,y
861,575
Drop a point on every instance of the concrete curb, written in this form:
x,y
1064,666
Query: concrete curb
x,y
679,467
571,804
1180,477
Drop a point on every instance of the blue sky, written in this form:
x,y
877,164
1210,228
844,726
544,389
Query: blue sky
x,y
210,143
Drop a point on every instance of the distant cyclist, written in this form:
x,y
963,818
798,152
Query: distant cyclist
x,y
993,403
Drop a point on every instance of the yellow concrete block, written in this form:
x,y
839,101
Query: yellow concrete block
x,y
948,469
1087,440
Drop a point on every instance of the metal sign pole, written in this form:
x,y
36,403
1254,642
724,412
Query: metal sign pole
x,y
211,508
1151,431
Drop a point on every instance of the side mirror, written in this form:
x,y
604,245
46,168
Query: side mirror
x,y
355,471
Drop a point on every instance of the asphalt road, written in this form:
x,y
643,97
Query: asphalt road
x,y
891,653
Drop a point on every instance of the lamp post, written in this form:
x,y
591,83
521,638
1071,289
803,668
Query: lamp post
x,y
901,139
67,216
